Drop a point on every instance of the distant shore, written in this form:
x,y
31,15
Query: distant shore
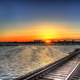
x,y
40,43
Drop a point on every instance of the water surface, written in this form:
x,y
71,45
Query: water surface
x,y
16,61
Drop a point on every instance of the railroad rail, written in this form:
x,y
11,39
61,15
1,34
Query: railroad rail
x,y
48,72
65,72
76,75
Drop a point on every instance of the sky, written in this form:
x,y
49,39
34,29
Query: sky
x,y
24,20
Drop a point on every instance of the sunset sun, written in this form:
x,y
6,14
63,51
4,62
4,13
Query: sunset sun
x,y
48,41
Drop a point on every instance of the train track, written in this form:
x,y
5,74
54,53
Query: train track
x,y
64,69
65,72
77,75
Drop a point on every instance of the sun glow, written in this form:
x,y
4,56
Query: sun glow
x,y
46,31
37,31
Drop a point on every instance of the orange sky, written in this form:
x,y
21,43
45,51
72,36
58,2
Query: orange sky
x,y
38,30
